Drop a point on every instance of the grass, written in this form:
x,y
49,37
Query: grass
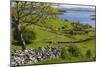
x,y
84,46
49,36
60,60
88,45
43,35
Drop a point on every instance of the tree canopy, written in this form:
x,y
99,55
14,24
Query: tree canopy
x,y
25,13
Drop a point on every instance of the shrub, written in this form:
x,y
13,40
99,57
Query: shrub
x,y
88,54
74,51
71,32
29,35
64,53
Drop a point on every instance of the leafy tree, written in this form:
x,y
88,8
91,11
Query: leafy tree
x,y
24,14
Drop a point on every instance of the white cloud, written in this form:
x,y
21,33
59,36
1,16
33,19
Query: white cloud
x,y
74,6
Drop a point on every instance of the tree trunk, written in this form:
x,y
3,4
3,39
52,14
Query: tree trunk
x,y
18,31
19,36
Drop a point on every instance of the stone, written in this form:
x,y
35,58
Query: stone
x,y
34,55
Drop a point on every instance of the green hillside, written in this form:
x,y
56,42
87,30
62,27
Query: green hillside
x,y
59,31
50,32
39,36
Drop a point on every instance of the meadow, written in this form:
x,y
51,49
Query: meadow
x,y
37,26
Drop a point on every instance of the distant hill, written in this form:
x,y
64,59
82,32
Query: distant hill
x,y
76,9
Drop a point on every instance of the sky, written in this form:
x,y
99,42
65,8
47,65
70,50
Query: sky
x,y
74,6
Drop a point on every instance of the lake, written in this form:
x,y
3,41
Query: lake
x,y
79,16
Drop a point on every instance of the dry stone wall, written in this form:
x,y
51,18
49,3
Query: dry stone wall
x,y
34,55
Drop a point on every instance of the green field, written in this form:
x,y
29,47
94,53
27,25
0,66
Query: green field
x,y
84,46
39,36
50,32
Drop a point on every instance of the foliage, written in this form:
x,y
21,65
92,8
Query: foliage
x,y
45,15
88,54
29,35
24,14
74,51
64,53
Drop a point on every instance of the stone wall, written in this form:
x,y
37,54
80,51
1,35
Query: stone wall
x,y
34,55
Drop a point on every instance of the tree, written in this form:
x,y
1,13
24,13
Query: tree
x,y
25,13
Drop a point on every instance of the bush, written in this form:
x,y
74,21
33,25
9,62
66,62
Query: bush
x,y
74,51
71,32
88,54
64,53
29,35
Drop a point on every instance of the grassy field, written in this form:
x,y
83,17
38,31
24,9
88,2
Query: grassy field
x,y
84,46
44,34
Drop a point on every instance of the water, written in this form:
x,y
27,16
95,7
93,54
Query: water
x,y
79,16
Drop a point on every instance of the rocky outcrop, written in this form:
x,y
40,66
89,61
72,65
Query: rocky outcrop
x,y
34,55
